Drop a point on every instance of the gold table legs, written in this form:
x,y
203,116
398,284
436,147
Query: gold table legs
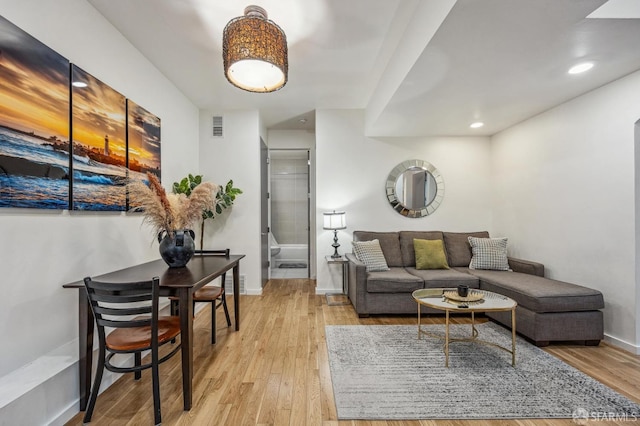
x,y
473,337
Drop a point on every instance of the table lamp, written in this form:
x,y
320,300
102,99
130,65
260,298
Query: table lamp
x,y
334,221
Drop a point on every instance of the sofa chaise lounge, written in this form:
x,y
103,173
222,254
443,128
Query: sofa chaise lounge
x,y
548,310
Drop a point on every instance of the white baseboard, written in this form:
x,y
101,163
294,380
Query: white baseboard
x,y
66,415
50,381
52,401
28,377
634,349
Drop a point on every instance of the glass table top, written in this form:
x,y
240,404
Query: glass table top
x,y
435,298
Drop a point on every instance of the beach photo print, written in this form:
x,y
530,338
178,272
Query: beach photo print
x,y
34,122
98,128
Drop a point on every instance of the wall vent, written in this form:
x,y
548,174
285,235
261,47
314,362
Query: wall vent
x,y
228,283
217,126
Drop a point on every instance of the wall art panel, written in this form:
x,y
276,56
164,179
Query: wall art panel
x,y
34,122
98,128
143,144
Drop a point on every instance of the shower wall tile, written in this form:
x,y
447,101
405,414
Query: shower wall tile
x,y
289,188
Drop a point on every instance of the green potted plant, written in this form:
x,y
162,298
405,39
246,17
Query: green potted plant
x,y
225,197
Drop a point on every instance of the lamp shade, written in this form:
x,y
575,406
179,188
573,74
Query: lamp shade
x,y
254,52
335,220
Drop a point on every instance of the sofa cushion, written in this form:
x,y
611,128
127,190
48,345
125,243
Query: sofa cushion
x,y
436,278
430,254
389,242
406,244
489,253
540,294
370,253
458,248
395,280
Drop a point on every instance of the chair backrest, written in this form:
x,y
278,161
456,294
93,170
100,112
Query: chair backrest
x,y
224,252
118,305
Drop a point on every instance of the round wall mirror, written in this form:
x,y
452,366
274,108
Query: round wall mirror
x,y
415,188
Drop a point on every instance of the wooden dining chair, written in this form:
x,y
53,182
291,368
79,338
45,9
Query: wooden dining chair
x,y
131,309
216,295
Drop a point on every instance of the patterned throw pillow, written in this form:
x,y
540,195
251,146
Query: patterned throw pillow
x,y
370,253
489,253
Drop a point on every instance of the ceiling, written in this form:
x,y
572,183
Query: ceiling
x,y
418,68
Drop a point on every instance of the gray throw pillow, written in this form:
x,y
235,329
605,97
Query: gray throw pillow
x,y
489,253
370,253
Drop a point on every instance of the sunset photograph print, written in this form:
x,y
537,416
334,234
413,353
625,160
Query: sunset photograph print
x,y
98,128
34,122
143,138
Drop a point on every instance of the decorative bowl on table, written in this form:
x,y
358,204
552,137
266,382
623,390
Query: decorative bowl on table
x,y
472,296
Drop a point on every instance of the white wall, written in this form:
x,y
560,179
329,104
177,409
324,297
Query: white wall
x,y
235,156
291,139
564,195
44,249
351,174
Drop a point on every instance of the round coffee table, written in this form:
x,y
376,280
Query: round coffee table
x,y
491,302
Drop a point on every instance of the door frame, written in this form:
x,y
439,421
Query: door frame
x,y
265,247
310,206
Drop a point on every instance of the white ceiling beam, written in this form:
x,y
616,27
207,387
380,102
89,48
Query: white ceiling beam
x,y
617,9
414,25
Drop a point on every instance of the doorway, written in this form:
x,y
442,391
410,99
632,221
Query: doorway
x,y
290,204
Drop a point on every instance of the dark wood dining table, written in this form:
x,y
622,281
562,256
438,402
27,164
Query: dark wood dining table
x,y
180,282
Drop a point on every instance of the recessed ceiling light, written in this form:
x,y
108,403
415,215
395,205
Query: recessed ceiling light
x,y
476,125
577,69
79,84
302,120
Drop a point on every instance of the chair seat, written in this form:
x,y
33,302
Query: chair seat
x,y
207,293
128,339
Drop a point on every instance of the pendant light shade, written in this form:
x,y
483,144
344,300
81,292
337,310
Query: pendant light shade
x,y
254,51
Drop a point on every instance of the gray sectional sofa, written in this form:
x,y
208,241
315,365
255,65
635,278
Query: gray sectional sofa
x,y
548,310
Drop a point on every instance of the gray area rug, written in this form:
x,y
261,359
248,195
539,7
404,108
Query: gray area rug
x,y
383,372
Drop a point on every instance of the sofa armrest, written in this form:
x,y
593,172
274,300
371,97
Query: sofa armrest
x,y
357,282
526,266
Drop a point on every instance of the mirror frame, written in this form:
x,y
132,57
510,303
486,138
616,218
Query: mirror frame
x,y
390,188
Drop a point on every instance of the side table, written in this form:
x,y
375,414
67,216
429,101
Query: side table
x,y
345,272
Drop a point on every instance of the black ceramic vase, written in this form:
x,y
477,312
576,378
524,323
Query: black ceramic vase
x,y
178,249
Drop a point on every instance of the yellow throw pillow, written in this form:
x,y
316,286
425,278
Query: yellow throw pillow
x,y
430,254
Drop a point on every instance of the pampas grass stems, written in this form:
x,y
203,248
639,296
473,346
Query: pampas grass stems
x,y
171,212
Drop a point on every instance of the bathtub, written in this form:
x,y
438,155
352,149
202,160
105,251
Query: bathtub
x,y
291,253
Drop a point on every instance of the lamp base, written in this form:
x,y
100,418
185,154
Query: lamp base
x,y
335,245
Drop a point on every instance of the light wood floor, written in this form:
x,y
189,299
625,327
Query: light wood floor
x,y
275,371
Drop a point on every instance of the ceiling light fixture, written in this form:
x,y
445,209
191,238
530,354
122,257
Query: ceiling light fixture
x,y
580,68
79,84
476,125
254,52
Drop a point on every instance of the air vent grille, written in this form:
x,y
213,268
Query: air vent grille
x,y
217,126
228,283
